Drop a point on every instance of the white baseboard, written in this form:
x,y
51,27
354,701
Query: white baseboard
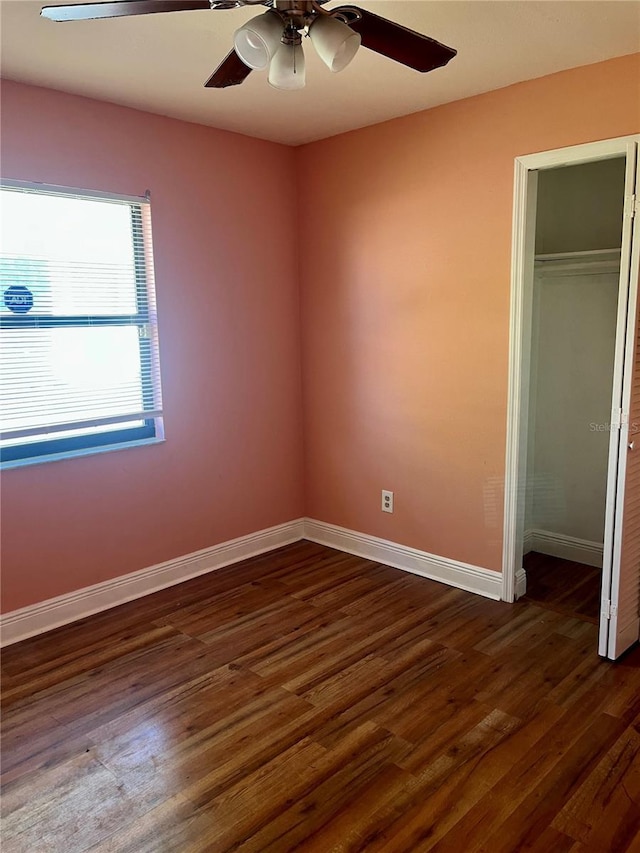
x,y
567,547
521,583
527,541
46,615
54,612
461,575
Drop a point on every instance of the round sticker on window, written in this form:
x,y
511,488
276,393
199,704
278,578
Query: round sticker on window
x,y
18,299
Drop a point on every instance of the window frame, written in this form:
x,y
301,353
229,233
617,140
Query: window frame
x,y
151,431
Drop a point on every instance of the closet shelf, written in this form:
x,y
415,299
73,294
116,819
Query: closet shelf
x,y
591,253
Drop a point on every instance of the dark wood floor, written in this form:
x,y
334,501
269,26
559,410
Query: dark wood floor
x,y
308,700
563,585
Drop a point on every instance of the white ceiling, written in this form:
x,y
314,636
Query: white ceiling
x,y
159,62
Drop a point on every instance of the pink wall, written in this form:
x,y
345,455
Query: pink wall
x,y
405,295
229,333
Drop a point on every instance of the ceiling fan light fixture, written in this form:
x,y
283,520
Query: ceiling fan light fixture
x,y
336,44
336,35
287,69
258,40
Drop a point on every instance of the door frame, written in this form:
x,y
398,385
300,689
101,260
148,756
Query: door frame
x,y
522,271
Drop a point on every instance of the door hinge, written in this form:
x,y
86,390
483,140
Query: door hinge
x,y
619,418
630,205
609,610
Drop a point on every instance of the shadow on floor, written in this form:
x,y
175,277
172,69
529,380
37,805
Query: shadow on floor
x,y
563,586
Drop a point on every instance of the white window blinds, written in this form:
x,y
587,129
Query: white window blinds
x,y
79,365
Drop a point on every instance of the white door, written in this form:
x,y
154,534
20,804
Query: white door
x,y
620,610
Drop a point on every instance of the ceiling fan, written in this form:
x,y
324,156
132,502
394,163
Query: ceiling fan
x,y
274,38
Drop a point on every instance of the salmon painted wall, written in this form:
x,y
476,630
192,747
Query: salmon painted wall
x,y
229,347
405,300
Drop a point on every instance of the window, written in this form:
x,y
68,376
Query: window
x,y
79,368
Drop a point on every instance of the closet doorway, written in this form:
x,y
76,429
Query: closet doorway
x,y
572,519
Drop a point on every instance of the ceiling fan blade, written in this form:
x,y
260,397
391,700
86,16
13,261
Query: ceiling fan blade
x,y
231,72
397,42
89,11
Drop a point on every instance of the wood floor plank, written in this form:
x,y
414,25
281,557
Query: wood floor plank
x,y
238,813
173,825
614,782
309,700
539,810
72,664
107,691
529,788
33,740
58,811
378,819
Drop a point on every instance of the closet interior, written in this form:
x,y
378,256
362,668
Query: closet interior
x,y
575,301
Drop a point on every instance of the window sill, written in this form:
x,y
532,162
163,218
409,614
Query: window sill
x,y
72,454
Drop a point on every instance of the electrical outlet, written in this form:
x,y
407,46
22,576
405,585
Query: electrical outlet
x,y
387,501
